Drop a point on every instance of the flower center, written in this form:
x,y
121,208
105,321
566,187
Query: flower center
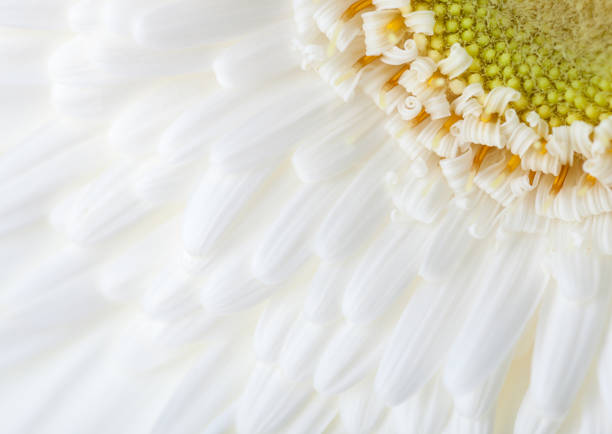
x,y
557,53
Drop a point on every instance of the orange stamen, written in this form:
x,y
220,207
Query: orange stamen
x,y
364,61
394,80
559,180
479,158
355,8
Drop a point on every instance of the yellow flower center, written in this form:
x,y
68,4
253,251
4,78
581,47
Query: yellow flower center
x,y
557,53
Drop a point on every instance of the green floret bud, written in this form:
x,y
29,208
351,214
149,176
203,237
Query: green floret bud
x,y
488,55
454,9
466,23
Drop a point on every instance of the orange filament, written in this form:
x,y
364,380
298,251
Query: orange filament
x,y
436,80
355,8
488,117
452,120
445,129
479,158
513,163
364,61
419,118
541,147
532,175
590,180
396,24
559,180
394,80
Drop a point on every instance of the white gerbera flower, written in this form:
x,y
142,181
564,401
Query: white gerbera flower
x,y
331,216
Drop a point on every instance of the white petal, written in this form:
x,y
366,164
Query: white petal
x,y
323,302
31,194
286,245
303,347
241,64
215,205
580,275
426,412
101,208
171,295
360,210
360,409
269,401
315,418
450,242
423,336
118,57
194,22
24,56
50,14
205,391
349,356
135,130
499,316
127,275
274,325
385,270
232,288
352,136
271,134
567,339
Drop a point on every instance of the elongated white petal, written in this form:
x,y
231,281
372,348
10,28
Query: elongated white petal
x,y
315,418
423,336
32,14
269,401
271,134
241,64
360,209
119,16
137,127
323,302
594,417
232,288
274,325
130,273
42,145
567,339
302,349
287,244
360,409
85,16
580,275
118,57
71,65
62,268
171,295
348,357
449,242
91,104
498,317
24,56
31,194
353,136
194,22
386,269
427,411
101,208
204,392
24,109
215,205
604,371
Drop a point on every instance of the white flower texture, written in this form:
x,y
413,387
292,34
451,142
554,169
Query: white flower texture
x,y
283,217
